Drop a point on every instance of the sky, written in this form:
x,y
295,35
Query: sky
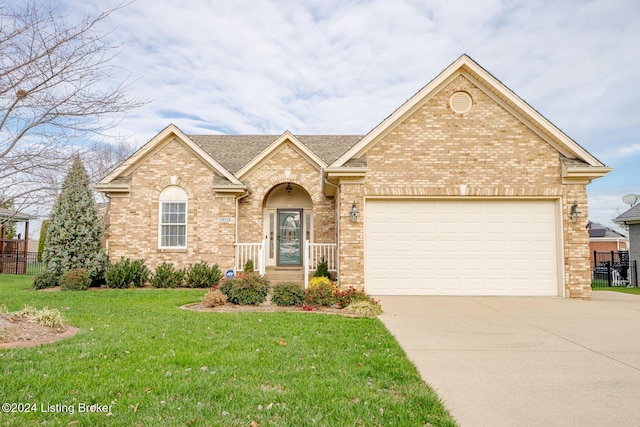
x,y
342,66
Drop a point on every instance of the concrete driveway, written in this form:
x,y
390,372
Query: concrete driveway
x,y
526,361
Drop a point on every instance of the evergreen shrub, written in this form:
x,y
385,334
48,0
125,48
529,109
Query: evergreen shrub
x,y
201,275
44,280
166,276
126,273
287,294
248,290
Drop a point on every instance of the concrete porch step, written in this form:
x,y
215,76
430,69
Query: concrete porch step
x,y
284,274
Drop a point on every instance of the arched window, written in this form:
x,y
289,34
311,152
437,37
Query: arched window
x,y
173,218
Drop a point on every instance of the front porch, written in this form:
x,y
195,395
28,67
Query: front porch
x,y
311,254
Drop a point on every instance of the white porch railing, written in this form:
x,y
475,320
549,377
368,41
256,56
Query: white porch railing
x,y
316,253
251,251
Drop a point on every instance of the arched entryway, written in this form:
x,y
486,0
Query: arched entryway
x,y
288,222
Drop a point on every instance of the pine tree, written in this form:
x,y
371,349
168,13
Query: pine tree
x,y
74,236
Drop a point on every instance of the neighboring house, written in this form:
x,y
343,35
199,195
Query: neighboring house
x,y
631,219
463,190
605,239
13,252
32,246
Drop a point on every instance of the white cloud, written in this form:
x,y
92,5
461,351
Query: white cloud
x,y
628,150
328,66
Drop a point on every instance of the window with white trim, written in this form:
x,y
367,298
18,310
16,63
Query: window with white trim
x,y
172,232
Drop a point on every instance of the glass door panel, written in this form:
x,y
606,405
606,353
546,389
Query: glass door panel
x,y
289,237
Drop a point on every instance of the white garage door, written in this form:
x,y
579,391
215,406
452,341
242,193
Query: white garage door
x,y
461,247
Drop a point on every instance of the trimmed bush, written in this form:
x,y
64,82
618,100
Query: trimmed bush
x,y
75,280
322,269
126,273
249,290
287,294
226,286
44,280
166,276
321,294
200,275
214,298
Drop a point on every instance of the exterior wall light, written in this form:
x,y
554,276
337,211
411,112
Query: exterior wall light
x,y
289,188
355,213
576,213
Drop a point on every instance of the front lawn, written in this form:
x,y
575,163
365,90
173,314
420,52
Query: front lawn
x,y
148,363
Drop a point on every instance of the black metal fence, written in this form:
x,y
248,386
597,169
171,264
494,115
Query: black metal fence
x,y
17,262
613,269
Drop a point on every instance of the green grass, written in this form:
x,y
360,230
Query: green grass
x,y
623,289
154,364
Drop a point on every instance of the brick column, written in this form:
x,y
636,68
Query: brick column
x,y
576,252
351,243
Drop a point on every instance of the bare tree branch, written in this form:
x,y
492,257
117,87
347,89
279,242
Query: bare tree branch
x,y
57,86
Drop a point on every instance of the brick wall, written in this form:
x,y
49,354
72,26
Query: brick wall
x,y
435,151
134,216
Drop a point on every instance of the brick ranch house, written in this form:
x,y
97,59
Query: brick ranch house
x,y
465,189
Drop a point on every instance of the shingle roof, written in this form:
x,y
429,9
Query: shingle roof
x,y
235,151
632,214
597,230
9,214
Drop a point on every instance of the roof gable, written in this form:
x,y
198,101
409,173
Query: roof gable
x,y
285,138
168,133
498,92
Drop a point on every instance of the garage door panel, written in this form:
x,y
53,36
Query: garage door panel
x,y
469,247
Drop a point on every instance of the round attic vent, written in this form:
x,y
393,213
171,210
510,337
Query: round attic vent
x,y
461,102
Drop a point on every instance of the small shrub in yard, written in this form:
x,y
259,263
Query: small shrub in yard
x,y
44,280
321,294
200,275
249,290
166,276
226,286
75,280
368,308
51,318
320,282
248,266
214,298
287,294
322,269
349,296
126,273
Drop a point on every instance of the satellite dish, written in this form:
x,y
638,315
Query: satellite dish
x,y
631,199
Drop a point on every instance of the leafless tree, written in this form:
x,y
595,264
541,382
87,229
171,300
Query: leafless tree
x,y
57,88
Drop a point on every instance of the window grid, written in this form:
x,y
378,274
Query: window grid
x,y
173,225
